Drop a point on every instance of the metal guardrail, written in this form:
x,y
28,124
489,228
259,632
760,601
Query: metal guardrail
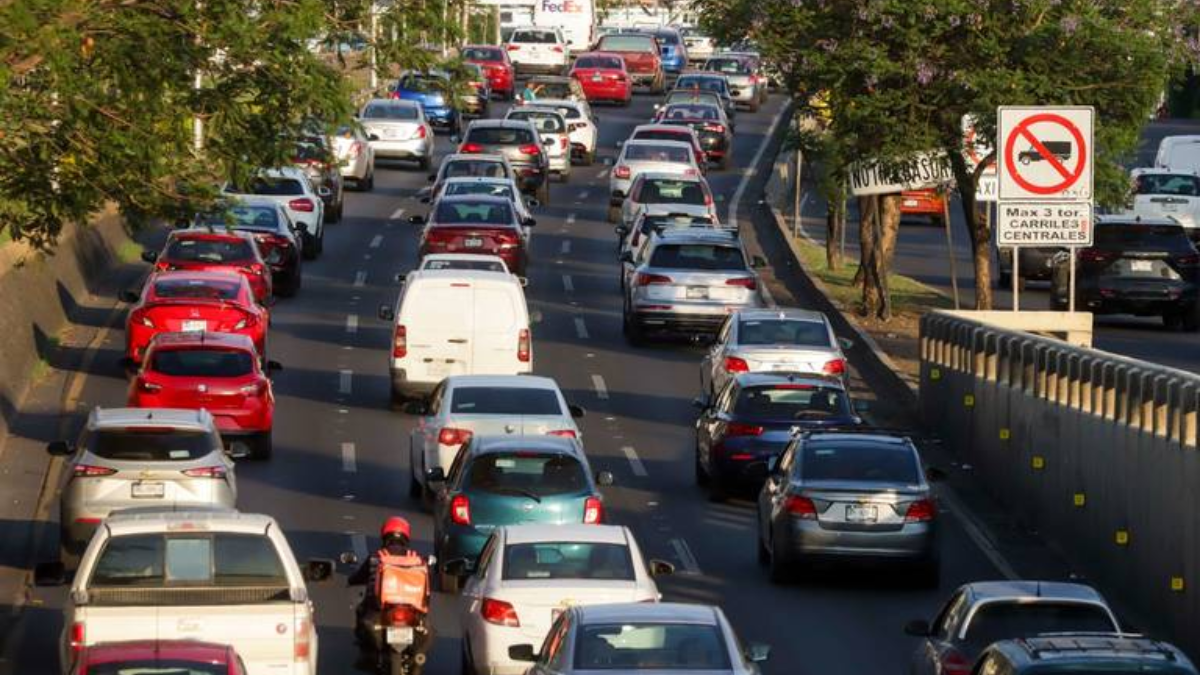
x,y
1097,452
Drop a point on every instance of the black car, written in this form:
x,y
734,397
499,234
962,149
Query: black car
x,y
1146,267
705,81
277,237
520,143
315,155
753,419
1036,264
710,124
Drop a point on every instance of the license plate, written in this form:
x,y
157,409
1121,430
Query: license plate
x,y
195,326
861,513
1141,265
473,243
910,202
697,293
597,78
147,490
391,133
397,635
1170,207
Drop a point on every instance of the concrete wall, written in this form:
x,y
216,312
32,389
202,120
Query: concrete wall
x,y
1095,451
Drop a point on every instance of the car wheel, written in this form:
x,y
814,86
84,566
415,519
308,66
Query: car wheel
x,y
448,582
725,161
754,106
263,446
718,491
292,286
633,332
320,245
309,247
369,184
465,664
589,158
1172,320
565,176
614,213
763,555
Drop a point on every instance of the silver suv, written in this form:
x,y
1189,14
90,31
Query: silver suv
x,y
138,457
687,281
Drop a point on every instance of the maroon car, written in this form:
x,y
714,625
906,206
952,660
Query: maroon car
x,y
476,224
162,656
642,57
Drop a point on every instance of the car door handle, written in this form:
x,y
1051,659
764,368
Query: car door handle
x,y
457,341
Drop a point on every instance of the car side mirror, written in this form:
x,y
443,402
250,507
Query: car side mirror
x,y
348,558
604,478
417,408
934,474
50,574
577,411
458,567
617,194
324,192
318,569
522,653
619,144
424,199
627,257
386,313
274,366
917,628
130,296
149,256
532,203
416,220
456,138
524,281
59,449
758,262
846,344
435,475
302,228
758,652
661,568
432,177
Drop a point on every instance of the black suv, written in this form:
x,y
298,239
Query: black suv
x,y
1076,653
520,143
1140,266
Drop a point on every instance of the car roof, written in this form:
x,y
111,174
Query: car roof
x,y
705,74
980,591
203,339
661,612
791,313
676,128
280,172
482,156
521,381
398,102
189,518
755,379
485,199
116,418
698,234
657,142
210,234
1161,171
601,52
561,445
493,123
865,438
472,257
501,180
156,650
576,532
196,275
1097,647
554,103
667,175
535,109
466,275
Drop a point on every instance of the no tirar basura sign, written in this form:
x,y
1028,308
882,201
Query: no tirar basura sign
x,y
923,170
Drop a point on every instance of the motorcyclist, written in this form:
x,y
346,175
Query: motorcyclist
x,y
394,538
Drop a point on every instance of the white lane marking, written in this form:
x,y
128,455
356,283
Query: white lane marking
x,y
690,566
375,241
396,214
583,196
352,323
570,218
568,285
601,388
978,533
750,172
635,462
360,279
566,246
603,174
358,544
581,328
349,462
344,377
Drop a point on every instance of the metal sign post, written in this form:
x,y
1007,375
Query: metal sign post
x,y
950,245
1016,278
1071,285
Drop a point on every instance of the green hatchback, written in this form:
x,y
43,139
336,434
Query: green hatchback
x,y
497,481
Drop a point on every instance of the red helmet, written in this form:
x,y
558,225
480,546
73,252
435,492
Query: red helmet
x,y
395,527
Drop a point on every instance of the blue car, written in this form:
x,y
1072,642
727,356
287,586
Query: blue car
x,y
431,91
674,51
753,418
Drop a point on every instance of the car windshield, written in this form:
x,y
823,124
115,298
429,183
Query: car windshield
x,y
535,36
202,362
657,153
650,646
188,560
473,213
474,168
480,188
668,191
783,332
627,43
504,401
526,472
210,250
728,66
150,444
197,289
270,186
460,264
859,463
389,111
499,136
693,97
1178,185
1141,237
165,666
707,257
547,123
567,560
423,84
702,83
791,401
602,62
996,621
261,218
482,54
691,112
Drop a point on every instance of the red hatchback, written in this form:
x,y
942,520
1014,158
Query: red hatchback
x,y
496,65
193,301
477,224
219,372
165,656
211,251
603,77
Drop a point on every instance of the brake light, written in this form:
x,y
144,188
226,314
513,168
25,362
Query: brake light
x,y
563,433
453,436
420,133
734,364
954,663
743,282
562,142
400,342
593,511
259,388
249,322
644,279
403,615
78,637
523,346
499,612
802,507
305,204
88,471
621,171
460,510
355,149
469,148
834,367
303,644
557,49
708,200
532,150
254,268
740,429
1092,255
920,511
513,48
690,172
715,128
206,472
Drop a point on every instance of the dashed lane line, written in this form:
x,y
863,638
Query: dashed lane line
x,y
684,553
568,285
352,323
349,461
344,381
396,214
570,218
566,246
635,462
360,279
375,241
601,388
581,328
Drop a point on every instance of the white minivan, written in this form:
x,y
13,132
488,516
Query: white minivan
x,y
457,322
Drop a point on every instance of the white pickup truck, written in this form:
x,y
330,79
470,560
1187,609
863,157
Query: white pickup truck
x,y
212,575
543,51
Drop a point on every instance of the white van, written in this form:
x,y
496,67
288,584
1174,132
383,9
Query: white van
x,y
1179,153
457,322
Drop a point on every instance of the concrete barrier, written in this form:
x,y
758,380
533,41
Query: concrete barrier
x,y
1097,452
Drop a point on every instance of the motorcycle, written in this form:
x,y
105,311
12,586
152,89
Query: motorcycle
x,y
401,629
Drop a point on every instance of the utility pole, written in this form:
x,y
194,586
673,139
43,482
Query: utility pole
x,y
374,51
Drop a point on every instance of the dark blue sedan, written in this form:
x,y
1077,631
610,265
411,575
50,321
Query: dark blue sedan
x,y
752,419
434,91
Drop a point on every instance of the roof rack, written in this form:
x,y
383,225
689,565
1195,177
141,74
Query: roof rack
x,y
1041,646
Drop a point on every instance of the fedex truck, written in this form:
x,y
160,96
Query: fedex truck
x,y
576,19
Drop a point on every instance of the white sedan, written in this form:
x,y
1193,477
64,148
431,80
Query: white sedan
x,y
529,574
581,124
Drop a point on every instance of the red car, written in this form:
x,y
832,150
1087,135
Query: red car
x,y
923,203
164,656
480,224
193,301
212,251
220,372
603,77
496,66
642,55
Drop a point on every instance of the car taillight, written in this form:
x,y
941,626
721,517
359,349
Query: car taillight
x,y
149,387
715,128
523,346
469,148
206,472
1188,260
834,367
803,507
143,318
740,429
954,663
734,364
303,644
78,636
507,239
513,48
88,471
593,511
420,132
708,200
532,150
621,171
499,612
744,282
453,436
306,205
257,389
645,279
403,615
249,322
400,342
162,265
1092,255
355,149
563,433
254,268
557,49
690,172
920,511
562,142
460,510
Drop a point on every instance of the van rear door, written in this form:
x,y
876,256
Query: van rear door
x,y
439,323
499,319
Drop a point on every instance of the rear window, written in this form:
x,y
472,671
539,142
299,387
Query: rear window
x,y
1009,620
192,560
526,474
545,123
553,88
271,186
474,168
210,250
202,362
482,54
681,136
691,112
1179,185
788,402
535,36
707,257
658,223
196,289
151,444
694,96
650,646
567,560
421,83
608,62
1142,237
157,667
658,153
667,191
489,189
859,463
667,38
730,66
702,83
385,111
628,43
783,332
473,213
499,136
504,401
262,218
453,264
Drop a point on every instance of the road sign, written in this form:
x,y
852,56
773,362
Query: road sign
x,y
1055,224
923,170
986,187
1046,153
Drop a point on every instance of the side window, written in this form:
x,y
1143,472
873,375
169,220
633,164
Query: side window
x,y
485,557
951,618
727,396
726,331
456,467
636,189
554,653
435,400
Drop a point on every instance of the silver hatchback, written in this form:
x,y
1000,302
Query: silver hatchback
x,y
139,457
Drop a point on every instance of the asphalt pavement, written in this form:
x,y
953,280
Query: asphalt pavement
x,y
341,453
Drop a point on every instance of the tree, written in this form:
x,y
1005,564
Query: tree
x,y
900,75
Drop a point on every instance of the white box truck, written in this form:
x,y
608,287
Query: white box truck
x,y
576,19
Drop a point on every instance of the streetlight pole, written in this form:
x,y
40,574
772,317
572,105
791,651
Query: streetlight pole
x,y
374,50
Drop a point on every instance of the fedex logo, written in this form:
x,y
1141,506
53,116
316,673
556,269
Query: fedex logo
x,y
564,6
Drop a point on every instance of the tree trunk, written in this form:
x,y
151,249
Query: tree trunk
x,y
835,225
868,229
980,229
889,230
866,211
